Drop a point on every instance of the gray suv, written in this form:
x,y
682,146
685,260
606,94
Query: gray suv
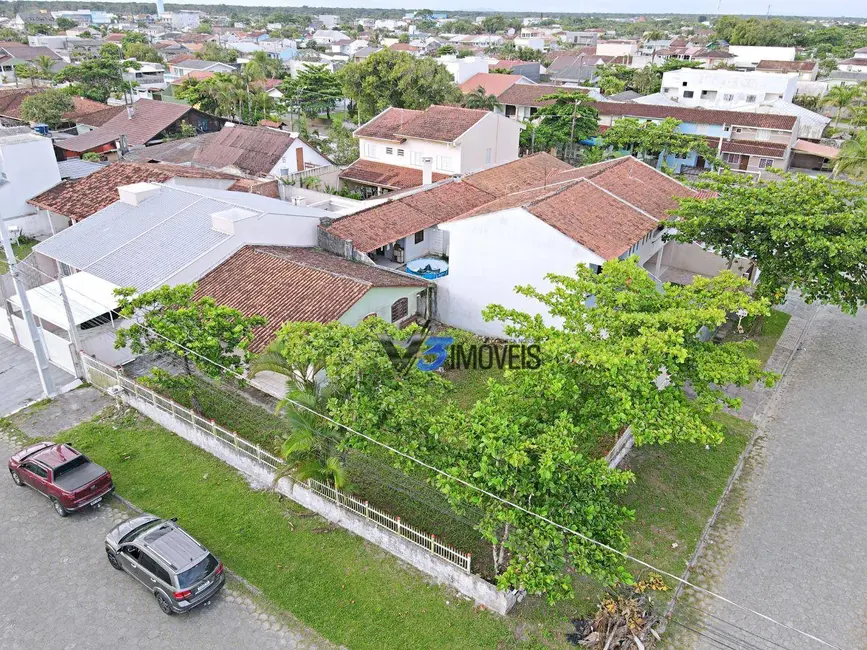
x,y
174,567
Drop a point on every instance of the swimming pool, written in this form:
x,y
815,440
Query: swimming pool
x,y
430,268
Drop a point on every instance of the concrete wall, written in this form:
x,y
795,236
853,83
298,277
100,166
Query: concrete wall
x,y
491,254
289,161
28,161
491,141
378,300
750,55
741,86
695,259
443,572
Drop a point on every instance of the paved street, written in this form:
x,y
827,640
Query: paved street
x,y
19,381
60,592
790,543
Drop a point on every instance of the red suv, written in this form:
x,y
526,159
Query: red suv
x,y
62,474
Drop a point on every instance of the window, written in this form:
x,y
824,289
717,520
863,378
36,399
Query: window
x,y
728,97
199,572
417,158
764,163
400,153
132,551
41,472
444,163
751,99
688,94
150,565
488,156
389,151
419,237
733,158
399,309
370,150
684,83
763,134
284,171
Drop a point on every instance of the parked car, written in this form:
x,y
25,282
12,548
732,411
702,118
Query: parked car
x,y
65,476
174,567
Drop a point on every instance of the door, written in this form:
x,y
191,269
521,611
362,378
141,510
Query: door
x,y
129,559
154,575
35,476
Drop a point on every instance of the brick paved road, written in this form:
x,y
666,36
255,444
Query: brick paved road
x,y
60,592
792,543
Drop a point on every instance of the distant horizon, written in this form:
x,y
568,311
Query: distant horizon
x,y
852,9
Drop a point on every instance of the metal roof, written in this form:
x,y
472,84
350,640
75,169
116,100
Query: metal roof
x,y
89,297
78,168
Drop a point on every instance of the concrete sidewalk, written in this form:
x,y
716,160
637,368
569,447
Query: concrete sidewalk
x,y
19,379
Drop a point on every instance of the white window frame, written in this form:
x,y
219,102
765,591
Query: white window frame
x,y
370,150
764,163
444,163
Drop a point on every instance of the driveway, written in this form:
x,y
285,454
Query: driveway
x,y
60,592
790,542
19,380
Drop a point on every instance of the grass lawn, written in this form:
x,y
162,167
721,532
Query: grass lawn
x,y
764,331
21,250
675,491
349,591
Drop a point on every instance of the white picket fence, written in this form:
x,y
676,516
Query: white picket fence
x,y
105,377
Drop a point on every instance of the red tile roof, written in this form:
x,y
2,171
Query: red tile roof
x,y
698,115
394,177
755,148
606,207
11,99
439,123
151,118
786,66
493,84
293,285
530,94
78,199
193,74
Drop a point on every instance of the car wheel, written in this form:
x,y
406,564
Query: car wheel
x,y
16,478
59,509
113,561
163,602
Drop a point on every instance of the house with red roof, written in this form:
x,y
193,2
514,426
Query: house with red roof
x,y
486,232
402,148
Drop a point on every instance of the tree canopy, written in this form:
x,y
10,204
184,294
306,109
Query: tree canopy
x,y
650,140
47,107
570,118
388,78
805,232
314,90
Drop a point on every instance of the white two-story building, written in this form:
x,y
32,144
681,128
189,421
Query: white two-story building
x,y
726,89
402,148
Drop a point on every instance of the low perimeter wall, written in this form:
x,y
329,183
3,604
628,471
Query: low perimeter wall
x,y
470,585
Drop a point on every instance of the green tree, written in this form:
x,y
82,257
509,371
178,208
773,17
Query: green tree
x,y
260,67
479,99
827,66
64,23
213,338
314,90
342,145
804,232
447,49
47,107
493,24
95,78
570,118
91,156
205,27
134,37
852,159
841,98
212,51
649,141
388,78
141,52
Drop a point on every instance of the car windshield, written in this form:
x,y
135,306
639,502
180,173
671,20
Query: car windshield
x,y
64,469
191,576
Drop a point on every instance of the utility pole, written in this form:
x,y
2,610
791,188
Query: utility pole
x,y
73,329
42,363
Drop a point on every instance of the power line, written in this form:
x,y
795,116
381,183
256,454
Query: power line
x,y
480,490
722,620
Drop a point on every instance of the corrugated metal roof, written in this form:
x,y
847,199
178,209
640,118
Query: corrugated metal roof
x,y
78,168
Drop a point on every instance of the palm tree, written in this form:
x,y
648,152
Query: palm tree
x,y
44,65
841,97
479,99
853,157
312,449
261,67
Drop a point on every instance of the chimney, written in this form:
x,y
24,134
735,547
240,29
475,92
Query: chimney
x,y
225,220
136,193
130,111
426,170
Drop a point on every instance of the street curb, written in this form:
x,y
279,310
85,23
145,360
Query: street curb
x,y
759,419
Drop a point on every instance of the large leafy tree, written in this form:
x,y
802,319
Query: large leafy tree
x,y
624,357
314,90
388,78
141,52
569,118
212,51
650,140
47,107
213,338
95,78
802,231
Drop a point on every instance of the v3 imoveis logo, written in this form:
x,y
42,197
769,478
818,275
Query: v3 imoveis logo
x,y
433,352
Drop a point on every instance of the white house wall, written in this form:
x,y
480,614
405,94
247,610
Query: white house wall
x,y
30,168
496,133
490,255
289,162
